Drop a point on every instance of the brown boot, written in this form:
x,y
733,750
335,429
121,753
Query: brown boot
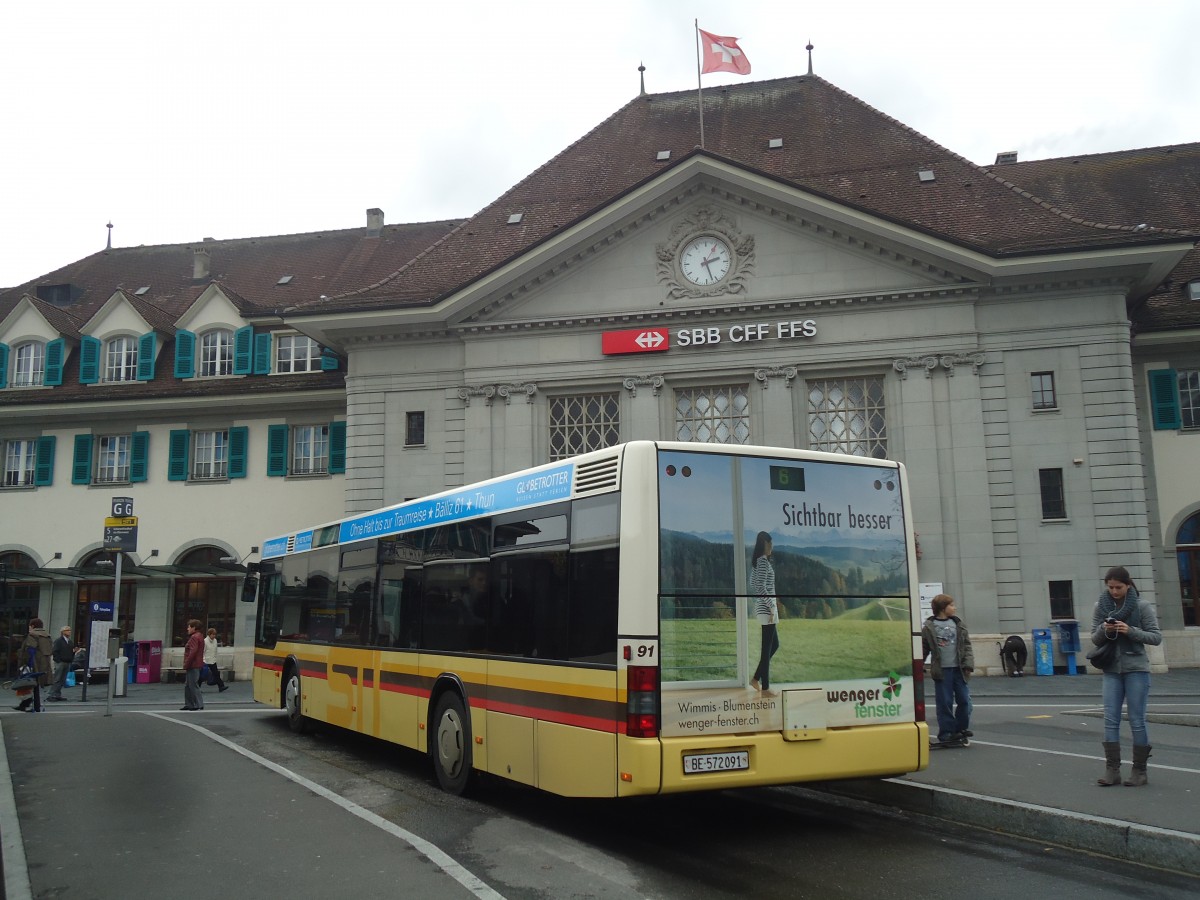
x,y
1137,775
1112,764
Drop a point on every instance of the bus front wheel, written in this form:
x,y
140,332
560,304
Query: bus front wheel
x,y
297,721
452,744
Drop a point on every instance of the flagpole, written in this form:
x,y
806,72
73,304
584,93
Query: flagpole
x,y
699,88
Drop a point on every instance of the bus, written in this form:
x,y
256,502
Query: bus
x,y
589,626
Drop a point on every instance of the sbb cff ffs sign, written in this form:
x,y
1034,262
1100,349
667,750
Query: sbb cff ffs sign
x,y
642,340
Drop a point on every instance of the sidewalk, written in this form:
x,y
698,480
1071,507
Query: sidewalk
x,y
1035,777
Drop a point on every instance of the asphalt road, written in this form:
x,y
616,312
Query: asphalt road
x,y
154,802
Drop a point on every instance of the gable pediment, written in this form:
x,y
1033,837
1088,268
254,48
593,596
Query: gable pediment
x,y
117,316
211,309
771,255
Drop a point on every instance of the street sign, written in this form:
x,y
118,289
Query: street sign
x,y
120,537
643,340
102,610
122,507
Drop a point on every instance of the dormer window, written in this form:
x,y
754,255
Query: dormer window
x,y
29,364
216,353
121,359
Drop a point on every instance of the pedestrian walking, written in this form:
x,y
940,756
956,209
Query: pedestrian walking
x,y
193,662
947,643
37,648
1122,617
210,661
62,655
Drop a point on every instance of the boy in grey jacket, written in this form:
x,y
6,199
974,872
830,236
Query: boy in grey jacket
x,y
952,660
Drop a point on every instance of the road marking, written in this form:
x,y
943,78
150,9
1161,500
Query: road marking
x,y
432,852
975,742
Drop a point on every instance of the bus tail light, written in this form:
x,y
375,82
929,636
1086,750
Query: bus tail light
x,y
919,688
641,711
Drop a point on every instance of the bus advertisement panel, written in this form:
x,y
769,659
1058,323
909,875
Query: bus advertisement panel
x,y
839,651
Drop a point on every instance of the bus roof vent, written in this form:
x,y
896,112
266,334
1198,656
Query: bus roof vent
x,y
291,545
597,475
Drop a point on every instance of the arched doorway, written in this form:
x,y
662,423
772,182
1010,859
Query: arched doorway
x,y
1187,552
18,604
211,599
99,571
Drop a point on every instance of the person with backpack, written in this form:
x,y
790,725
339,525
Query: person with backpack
x,y
38,648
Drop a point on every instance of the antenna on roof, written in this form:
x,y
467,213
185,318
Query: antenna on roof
x,y
109,226
642,75
809,48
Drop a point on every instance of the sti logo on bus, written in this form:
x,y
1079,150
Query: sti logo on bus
x,y
645,340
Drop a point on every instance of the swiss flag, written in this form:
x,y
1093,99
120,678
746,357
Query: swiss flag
x,y
722,54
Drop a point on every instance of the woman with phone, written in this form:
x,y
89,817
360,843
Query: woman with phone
x,y
1120,616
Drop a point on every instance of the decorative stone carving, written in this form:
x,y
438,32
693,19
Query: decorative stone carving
x,y
787,373
486,391
705,220
946,361
632,382
974,360
527,388
928,363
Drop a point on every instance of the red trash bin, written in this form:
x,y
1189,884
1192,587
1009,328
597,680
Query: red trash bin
x,y
149,662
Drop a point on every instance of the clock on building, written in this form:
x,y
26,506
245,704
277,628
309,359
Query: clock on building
x,y
705,260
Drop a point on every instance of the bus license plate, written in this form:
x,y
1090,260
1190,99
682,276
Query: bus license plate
x,y
697,763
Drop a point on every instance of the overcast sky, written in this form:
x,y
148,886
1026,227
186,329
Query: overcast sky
x,y
240,118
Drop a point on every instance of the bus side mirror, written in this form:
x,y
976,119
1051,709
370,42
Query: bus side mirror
x,y
250,589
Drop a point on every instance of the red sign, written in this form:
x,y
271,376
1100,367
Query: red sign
x,y
645,340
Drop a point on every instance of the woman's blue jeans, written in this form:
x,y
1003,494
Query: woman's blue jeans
x,y
1133,690
951,690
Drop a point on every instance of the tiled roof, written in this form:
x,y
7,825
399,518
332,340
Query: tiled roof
x,y
249,268
833,145
1158,186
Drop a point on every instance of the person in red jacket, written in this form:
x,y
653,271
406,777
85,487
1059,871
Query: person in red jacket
x,y
193,662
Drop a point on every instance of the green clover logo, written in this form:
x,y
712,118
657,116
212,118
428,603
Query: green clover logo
x,y
891,687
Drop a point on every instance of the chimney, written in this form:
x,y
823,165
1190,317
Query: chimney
x,y
1004,157
374,222
201,265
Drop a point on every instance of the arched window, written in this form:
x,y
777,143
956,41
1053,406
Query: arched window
x,y
29,364
216,353
121,359
1187,552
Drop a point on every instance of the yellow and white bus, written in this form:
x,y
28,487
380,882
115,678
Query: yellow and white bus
x,y
592,627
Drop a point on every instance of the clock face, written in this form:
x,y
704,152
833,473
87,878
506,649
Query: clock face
x,y
705,260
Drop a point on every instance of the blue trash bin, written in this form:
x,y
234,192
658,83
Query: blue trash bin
x,y
1043,651
1068,642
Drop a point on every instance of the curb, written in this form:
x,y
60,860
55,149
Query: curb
x,y
1163,848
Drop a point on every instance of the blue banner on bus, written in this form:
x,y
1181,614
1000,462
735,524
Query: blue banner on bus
x,y
492,497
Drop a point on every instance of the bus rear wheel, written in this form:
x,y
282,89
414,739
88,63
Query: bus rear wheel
x,y
297,721
451,749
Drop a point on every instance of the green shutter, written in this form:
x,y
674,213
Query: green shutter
x,y
56,354
89,360
262,354
329,361
139,454
147,347
337,447
179,442
277,449
239,442
3,365
243,350
81,462
185,354
43,470
1164,399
